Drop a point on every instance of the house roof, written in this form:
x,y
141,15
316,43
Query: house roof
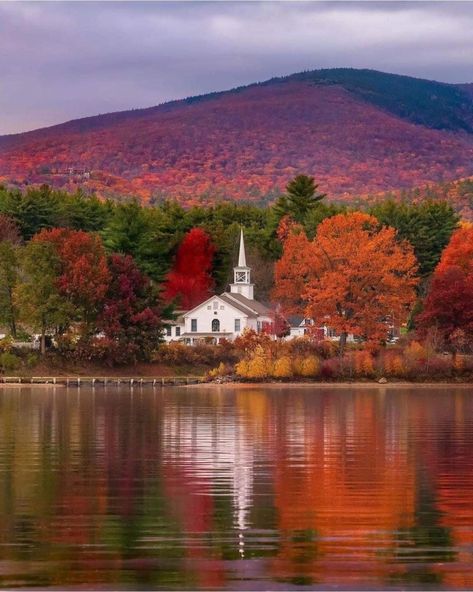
x,y
295,320
250,307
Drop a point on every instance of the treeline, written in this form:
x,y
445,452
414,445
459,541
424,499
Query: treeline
x,y
151,235
103,277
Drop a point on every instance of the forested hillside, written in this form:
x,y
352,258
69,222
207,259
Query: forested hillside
x,y
358,132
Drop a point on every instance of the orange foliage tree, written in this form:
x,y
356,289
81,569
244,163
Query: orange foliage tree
x,y
352,276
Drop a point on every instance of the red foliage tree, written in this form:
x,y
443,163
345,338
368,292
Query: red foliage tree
x,y
131,316
84,277
190,280
448,306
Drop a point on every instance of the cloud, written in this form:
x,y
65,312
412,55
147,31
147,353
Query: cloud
x,y
62,60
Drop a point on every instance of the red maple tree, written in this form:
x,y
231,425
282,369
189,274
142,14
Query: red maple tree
x,y
190,281
448,306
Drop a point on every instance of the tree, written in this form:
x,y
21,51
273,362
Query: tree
x,y
9,230
131,319
84,276
352,276
300,199
8,281
190,280
428,226
39,301
448,306
147,234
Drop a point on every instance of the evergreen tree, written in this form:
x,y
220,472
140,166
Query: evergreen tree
x,y
301,197
428,226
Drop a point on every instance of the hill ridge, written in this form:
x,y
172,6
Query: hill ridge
x,y
356,131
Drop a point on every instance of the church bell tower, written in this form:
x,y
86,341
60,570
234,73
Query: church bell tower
x,y
241,274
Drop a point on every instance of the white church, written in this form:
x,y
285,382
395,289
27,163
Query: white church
x,y
223,316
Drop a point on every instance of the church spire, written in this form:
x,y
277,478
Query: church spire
x,y
241,254
241,274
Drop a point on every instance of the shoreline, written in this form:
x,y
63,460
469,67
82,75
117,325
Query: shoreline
x,y
343,385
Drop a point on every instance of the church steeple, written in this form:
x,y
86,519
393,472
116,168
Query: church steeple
x,y
241,254
242,274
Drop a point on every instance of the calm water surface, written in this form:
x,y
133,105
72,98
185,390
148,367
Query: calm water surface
x,y
238,488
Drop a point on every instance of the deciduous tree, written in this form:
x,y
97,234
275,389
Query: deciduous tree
x,y
448,306
84,276
40,303
190,280
351,276
131,319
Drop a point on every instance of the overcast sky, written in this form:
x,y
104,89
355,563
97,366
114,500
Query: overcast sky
x,y
63,60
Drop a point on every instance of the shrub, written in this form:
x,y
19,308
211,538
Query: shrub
x,y
364,363
439,367
330,369
282,367
9,361
202,354
310,367
31,360
249,340
393,365
221,370
259,366
242,368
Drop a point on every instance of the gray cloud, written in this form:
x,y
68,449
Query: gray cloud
x,y
62,60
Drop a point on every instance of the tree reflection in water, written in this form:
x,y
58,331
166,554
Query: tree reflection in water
x,y
205,487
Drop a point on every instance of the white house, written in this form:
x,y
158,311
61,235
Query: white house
x,y
223,316
300,326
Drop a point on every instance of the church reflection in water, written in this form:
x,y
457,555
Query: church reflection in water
x,y
203,487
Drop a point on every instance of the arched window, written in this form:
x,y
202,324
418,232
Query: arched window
x,y
215,326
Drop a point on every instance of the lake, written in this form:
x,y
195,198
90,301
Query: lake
x,y
238,488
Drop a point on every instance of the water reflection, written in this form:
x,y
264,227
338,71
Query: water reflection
x,y
239,488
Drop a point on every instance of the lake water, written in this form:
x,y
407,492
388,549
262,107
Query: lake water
x,y
236,488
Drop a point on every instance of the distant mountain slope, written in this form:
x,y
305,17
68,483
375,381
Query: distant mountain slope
x,y
357,131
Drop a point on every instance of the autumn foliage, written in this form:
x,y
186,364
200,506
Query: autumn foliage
x,y
190,280
449,304
242,145
84,276
352,276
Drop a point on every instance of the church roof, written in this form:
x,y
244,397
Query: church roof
x,y
252,308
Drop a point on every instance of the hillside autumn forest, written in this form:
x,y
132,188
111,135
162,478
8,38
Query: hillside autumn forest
x,y
362,133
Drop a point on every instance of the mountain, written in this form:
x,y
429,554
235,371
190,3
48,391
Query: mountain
x,y
357,131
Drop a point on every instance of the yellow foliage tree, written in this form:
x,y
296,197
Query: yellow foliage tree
x,y
310,367
283,367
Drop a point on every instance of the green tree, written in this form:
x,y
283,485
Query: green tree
x,y
8,282
149,235
301,197
39,302
428,226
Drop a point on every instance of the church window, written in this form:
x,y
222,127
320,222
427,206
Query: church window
x,y
216,305
222,308
178,331
237,325
215,325
194,325
168,331
209,307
